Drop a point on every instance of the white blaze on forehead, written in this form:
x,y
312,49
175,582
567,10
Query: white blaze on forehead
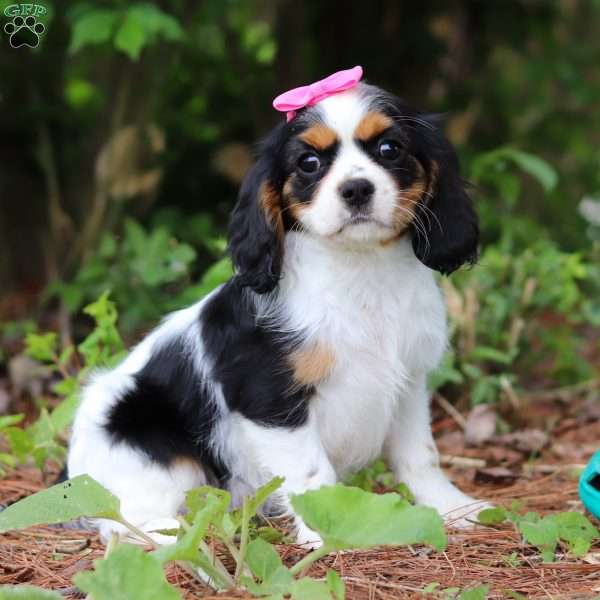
x,y
343,112
328,213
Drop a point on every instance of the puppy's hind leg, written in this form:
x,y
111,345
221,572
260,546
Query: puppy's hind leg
x,y
150,493
296,454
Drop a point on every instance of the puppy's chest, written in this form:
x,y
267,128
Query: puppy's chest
x,y
366,349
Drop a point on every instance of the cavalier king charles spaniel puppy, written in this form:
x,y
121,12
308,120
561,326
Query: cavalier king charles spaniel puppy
x,y
312,360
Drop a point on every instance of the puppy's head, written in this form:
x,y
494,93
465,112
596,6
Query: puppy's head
x,y
359,168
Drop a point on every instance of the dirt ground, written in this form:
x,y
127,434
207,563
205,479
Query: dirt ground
x,y
535,464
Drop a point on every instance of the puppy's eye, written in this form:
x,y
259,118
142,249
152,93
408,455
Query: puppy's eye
x,y
309,162
389,150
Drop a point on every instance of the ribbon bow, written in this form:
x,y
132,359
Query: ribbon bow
x,y
308,95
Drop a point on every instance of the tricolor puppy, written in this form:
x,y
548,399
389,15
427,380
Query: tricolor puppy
x,y
312,360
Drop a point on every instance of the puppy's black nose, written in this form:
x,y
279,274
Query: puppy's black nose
x,y
357,193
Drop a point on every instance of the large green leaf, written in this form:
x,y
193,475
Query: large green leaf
x,y
78,497
27,592
127,573
348,517
94,27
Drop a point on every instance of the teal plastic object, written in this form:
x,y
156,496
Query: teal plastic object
x,y
589,485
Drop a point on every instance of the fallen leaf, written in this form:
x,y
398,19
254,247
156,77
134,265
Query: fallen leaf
x,y
495,475
480,425
527,441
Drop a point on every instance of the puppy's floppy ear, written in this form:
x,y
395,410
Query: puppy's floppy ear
x,y
256,229
449,218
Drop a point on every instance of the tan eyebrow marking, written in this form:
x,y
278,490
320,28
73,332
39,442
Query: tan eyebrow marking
x,y
319,136
371,125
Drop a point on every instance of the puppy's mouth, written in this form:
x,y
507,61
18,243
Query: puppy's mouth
x,y
361,218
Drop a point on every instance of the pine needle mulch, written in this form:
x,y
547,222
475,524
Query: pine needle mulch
x,y
50,556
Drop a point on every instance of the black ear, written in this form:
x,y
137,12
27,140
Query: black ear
x,y
446,211
256,230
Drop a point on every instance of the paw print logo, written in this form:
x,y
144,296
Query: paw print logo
x,y
24,31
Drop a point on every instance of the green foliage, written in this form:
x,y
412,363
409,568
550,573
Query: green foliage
x,y
77,497
128,29
42,440
497,308
545,533
345,517
148,273
392,519
378,475
127,573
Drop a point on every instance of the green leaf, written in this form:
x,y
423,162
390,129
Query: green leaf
x,y
577,530
262,494
490,354
492,516
310,589
262,559
27,592
94,27
348,517
131,37
10,420
279,582
186,548
20,441
127,573
41,346
535,166
478,593
543,534
336,585
81,496
198,498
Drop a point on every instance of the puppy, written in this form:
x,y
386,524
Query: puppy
x,y
312,360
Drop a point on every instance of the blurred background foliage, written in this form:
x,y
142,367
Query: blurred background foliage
x,y
126,133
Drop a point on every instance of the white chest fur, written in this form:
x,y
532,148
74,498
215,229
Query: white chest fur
x,y
381,314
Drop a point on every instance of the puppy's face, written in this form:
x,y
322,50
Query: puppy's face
x,y
360,167
350,170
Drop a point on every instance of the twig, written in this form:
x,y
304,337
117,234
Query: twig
x,y
566,390
448,460
450,410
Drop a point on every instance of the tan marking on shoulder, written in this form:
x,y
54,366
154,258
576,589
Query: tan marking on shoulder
x,y
371,125
312,364
319,136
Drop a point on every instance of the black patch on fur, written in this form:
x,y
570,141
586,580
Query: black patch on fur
x,y
250,361
169,413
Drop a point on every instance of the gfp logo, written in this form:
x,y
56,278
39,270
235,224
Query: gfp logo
x,y
24,28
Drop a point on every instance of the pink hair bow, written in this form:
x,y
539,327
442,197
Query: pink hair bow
x,y
308,95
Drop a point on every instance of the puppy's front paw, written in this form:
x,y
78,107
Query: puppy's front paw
x,y
306,537
463,513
